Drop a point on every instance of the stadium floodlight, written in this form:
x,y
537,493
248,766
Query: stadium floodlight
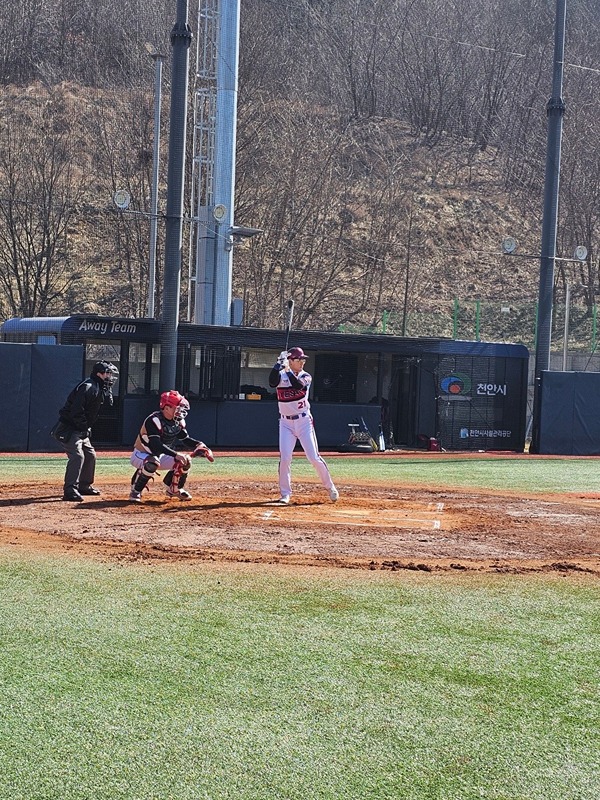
x,y
238,233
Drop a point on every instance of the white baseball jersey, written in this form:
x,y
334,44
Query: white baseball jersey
x,y
293,401
296,423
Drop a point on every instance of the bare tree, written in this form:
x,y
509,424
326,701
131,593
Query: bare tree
x,y
382,145
42,189
121,127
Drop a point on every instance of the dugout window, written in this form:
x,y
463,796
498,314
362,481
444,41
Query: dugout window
x,y
213,372
351,377
373,377
104,351
106,429
143,368
335,377
255,366
203,365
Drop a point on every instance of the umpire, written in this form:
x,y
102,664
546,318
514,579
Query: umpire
x,y
73,429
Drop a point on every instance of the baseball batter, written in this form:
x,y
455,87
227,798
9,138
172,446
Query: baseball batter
x,y
296,422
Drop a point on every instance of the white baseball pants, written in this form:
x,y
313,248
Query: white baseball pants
x,y
302,429
138,457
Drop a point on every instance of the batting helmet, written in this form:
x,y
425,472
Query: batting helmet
x,y
297,352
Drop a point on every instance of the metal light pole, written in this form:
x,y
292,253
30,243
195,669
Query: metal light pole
x,y
158,64
181,37
555,110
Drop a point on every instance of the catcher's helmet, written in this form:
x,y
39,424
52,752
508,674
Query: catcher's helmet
x,y
176,401
297,352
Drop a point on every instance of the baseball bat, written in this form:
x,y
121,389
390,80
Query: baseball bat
x,y
372,441
381,440
288,324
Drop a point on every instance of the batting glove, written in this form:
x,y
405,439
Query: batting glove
x,y
283,356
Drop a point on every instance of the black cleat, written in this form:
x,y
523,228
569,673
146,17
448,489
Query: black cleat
x,y
73,496
89,490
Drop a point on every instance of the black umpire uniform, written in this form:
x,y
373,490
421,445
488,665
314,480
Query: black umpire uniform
x,y
73,429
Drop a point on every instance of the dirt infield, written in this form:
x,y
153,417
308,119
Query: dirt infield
x,y
371,527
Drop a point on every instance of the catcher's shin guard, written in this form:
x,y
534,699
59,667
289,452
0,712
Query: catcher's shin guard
x,y
141,482
168,479
176,477
138,481
142,476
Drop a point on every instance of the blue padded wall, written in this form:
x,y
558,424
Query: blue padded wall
x,y
569,418
55,370
36,380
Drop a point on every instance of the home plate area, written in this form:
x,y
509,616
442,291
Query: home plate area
x,y
425,516
237,520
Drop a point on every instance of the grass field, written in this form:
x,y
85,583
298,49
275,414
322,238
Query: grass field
x,y
138,682
135,681
526,473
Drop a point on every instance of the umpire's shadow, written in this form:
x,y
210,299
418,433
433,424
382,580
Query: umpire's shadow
x,y
27,501
53,498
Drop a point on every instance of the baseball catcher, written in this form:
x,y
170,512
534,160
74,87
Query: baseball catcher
x,y
156,447
295,421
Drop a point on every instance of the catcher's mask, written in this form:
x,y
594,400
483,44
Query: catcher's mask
x,y
176,401
109,372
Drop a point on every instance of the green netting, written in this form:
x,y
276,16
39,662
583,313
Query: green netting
x,y
489,321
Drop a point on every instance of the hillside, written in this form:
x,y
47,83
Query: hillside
x,y
384,182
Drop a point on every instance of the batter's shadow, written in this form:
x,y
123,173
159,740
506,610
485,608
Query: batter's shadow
x,y
169,505
225,504
192,506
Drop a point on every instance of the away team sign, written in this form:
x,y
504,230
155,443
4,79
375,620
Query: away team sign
x,y
107,327
83,328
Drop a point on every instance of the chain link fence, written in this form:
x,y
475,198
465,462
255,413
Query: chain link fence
x,y
492,321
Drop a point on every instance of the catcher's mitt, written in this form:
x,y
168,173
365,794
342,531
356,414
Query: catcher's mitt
x,y
204,451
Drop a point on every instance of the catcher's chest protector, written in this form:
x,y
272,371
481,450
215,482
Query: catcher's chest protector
x,y
154,425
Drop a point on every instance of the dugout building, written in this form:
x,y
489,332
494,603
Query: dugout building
x,y
467,395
